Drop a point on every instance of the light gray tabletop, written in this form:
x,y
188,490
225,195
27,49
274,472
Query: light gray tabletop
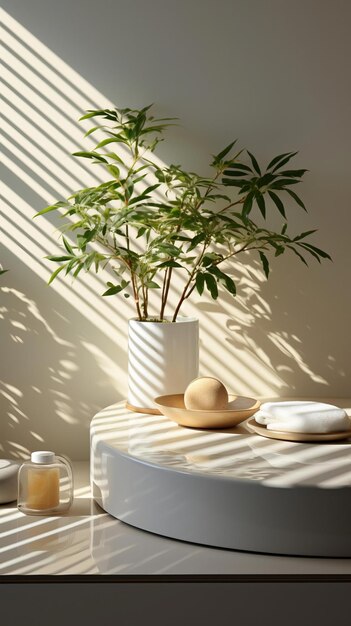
x,y
89,541
233,453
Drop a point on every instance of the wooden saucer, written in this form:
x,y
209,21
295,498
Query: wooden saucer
x,y
239,409
260,429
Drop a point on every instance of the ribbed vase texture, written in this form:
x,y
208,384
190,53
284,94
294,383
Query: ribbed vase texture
x,y
163,358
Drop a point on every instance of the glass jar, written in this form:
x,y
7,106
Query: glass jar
x,y
45,484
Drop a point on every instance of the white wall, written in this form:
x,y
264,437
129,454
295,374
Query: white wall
x,y
273,73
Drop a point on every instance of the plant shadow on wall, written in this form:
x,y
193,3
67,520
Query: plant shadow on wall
x,y
43,399
268,335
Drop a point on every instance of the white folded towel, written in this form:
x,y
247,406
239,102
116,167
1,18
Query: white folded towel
x,y
303,417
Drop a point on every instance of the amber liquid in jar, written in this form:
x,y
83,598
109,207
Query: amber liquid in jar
x,y
45,484
43,488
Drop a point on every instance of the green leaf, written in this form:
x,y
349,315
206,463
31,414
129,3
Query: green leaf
x,y
298,255
296,198
305,234
195,241
314,254
113,169
141,231
293,173
148,107
150,284
218,157
88,235
265,180
160,175
228,220
254,163
260,202
209,258
113,290
91,114
104,142
54,274
279,250
67,246
265,263
189,259
247,206
226,280
89,260
71,265
211,285
280,157
278,203
90,155
237,166
92,130
230,285
169,264
52,207
282,182
78,269
58,259
81,243
3,272
149,189
235,173
200,283
114,156
318,251
284,161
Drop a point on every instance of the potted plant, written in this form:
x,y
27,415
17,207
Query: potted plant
x,y
149,222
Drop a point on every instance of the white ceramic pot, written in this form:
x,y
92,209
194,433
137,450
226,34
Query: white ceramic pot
x,y
163,358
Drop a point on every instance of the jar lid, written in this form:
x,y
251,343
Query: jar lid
x,y
43,456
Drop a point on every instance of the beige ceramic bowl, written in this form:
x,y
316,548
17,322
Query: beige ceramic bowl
x,y
239,409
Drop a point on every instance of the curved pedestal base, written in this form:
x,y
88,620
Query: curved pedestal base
x,y
228,489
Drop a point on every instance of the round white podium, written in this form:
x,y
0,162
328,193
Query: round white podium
x,y
225,488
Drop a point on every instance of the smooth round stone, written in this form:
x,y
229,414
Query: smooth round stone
x,y
8,480
206,394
